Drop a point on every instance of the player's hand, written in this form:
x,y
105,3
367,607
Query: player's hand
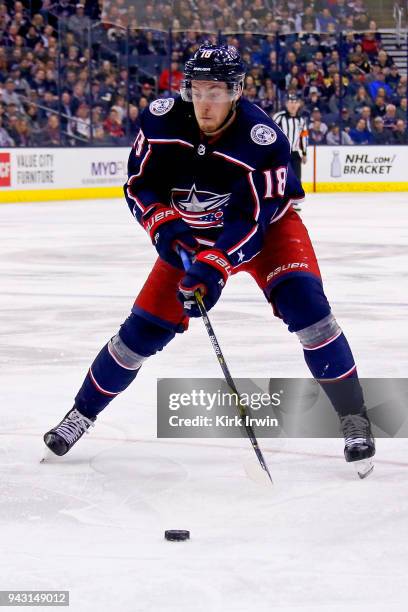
x,y
168,231
208,274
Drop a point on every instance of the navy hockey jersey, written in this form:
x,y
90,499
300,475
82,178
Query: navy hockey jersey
x,y
228,189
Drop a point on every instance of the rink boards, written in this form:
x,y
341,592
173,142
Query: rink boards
x,y
41,174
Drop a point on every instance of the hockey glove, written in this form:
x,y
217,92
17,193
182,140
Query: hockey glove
x,y
208,274
167,231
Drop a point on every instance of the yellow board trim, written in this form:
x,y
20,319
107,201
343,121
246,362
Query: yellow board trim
x,y
369,186
90,193
49,195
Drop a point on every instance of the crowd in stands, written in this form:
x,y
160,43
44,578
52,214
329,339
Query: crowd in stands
x,y
79,73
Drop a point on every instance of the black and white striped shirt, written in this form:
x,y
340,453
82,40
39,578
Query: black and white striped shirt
x,y
295,129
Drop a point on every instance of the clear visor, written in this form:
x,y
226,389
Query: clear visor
x,y
209,91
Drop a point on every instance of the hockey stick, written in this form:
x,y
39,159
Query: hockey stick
x,y
227,375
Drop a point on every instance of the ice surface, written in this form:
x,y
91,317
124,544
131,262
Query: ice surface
x,y
93,523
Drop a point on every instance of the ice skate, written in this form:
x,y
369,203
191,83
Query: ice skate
x,y
359,446
61,439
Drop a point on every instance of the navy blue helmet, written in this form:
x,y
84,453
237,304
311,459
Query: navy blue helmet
x,y
214,63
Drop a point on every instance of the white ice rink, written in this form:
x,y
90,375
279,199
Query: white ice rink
x,y
319,540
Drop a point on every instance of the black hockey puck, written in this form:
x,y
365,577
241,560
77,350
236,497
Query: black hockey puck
x,y
177,535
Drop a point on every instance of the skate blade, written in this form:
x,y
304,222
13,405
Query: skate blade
x,y
364,467
47,455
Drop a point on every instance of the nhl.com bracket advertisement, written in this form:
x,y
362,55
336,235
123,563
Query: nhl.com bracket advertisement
x,y
280,407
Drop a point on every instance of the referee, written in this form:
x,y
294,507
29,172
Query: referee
x,y
295,128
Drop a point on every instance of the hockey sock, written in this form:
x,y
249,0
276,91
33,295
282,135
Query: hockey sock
x,y
305,309
331,362
118,363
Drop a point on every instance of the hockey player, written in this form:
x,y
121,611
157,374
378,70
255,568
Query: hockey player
x,y
208,172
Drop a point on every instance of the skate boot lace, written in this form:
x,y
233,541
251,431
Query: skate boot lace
x,y
356,429
73,426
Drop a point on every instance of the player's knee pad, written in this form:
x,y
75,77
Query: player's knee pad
x,y
139,338
301,302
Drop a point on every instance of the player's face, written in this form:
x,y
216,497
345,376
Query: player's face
x,y
212,103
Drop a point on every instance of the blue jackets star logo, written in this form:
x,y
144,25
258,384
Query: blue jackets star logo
x,y
200,209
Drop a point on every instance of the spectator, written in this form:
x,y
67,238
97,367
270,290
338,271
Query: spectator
x,y
63,8
81,124
360,100
402,110
325,20
384,60
379,134
379,109
133,121
33,118
346,119
379,83
50,135
9,96
147,92
38,83
170,80
315,100
22,133
5,138
366,115
120,107
369,44
97,116
390,117
66,112
21,86
333,136
360,59
304,18
113,126
78,97
268,101
79,22
400,136
393,77
100,138
360,135
317,132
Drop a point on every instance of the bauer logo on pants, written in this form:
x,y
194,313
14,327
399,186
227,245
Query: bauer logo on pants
x,y
286,268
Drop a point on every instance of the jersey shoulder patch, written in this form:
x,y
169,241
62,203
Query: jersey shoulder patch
x,y
161,106
263,134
